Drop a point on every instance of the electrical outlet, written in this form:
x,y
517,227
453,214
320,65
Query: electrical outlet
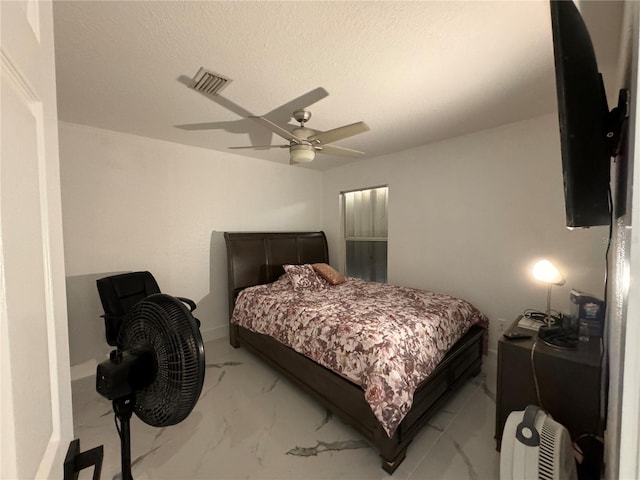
x,y
501,322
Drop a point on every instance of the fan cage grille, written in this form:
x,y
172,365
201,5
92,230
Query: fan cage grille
x,y
555,459
164,324
547,451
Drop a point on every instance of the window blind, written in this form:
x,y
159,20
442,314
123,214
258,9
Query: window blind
x,y
365,229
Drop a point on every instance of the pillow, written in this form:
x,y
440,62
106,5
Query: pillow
x,y
327,272
303,277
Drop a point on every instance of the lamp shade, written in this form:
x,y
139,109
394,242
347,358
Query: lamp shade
x,y
301,153
546,272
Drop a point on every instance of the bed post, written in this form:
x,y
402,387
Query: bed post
x,y
392,450
233,329
390,466
233,335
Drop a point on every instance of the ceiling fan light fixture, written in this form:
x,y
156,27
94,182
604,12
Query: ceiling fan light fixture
x,y
301,153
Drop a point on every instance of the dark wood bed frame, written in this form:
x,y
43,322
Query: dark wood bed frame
x,y
256,258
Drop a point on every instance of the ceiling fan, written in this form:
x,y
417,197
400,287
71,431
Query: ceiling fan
x,y
304,142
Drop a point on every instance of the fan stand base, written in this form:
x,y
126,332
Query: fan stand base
x,y
123,408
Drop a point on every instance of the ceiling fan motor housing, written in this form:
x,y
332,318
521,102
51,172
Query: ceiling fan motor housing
x,y
302,115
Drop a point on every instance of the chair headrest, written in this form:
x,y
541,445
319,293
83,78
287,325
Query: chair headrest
x,y
118,293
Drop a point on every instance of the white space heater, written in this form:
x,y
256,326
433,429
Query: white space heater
x,y
535,447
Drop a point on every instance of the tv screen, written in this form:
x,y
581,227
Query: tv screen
x,y
582,111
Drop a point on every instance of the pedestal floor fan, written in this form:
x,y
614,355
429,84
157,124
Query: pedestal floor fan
x,y
157,370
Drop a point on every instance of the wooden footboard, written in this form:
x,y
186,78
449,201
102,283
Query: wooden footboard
x,y
346,399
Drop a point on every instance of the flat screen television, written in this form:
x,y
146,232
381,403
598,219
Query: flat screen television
x,y
584,115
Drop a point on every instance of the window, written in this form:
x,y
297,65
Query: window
x,y
365,233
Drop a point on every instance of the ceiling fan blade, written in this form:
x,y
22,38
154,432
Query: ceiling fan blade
x,y
339,133
201,126
283,112
220,100
277,129
339,151
262,146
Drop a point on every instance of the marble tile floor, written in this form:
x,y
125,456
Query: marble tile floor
x,y
251,423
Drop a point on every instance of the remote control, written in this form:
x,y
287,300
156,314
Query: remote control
x,y
517,335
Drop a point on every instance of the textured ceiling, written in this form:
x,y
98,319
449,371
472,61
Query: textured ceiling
x,y
416,72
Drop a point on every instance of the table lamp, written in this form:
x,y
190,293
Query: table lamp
x,y
546,272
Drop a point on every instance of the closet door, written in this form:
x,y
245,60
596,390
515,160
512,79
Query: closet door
x,y
35,408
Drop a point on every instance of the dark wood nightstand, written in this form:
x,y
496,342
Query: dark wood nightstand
x,y
569,382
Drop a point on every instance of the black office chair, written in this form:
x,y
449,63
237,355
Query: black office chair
x,y
118,293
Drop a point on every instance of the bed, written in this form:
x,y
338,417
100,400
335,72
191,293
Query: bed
x,y
257,258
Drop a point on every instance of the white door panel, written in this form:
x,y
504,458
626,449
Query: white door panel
x,y
35,414
24,258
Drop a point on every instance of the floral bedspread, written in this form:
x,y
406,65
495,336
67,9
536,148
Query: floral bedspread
x,y
385,338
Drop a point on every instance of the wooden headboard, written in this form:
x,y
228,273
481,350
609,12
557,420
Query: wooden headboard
x,y
255,258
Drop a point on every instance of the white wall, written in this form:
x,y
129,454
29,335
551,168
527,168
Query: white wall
x,y
622,438
467,216
133,203
470,215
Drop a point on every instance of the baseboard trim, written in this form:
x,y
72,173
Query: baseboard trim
x,y
492,355
83,370
215,333
88,368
